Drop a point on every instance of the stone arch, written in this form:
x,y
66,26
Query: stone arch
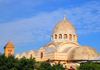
x,y
24,54
38,56
74,37
70,37
65,36
52,44
66,45
60,36
31,54
51,37
55,36
18,55
9,54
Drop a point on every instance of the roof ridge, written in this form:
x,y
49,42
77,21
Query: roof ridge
x,y
9,44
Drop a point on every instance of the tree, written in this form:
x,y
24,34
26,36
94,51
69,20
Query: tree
x,y
44,66
8,63
27,64
47,66
89,66
58,66
12,63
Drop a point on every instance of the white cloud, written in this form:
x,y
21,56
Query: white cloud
x,y
84,18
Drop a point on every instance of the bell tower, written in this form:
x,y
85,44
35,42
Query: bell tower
x,y
9,49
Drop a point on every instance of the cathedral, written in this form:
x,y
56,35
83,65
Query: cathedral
x,y
63,47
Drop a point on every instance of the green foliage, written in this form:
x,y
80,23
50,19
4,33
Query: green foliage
x,y
44,66
47,66
58,66
89,66
27,64
11,63
8,63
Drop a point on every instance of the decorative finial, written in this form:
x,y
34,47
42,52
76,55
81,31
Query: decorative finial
x,y
64,17
45,43
9,40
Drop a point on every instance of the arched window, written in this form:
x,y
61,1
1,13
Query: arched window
x,y
9,54
65,36
41,55
74,37
23,56
70,37
9,50
60,36
31,55
55,36
51,36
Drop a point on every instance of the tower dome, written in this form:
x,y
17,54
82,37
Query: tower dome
x,y
63,31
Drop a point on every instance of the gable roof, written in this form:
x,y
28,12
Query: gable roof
x,y
9,44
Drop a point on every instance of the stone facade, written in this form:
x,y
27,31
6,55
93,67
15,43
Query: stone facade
x,y
63,47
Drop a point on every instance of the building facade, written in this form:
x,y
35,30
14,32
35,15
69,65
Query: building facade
x,y
63,47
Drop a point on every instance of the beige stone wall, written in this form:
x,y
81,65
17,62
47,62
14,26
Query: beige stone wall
x,y
46,55
74,39
17,56
31,54
60,56
52,45
38,57
51,56
24,55
64,46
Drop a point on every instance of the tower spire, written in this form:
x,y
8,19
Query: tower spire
x,y
64,17
9,40
45,45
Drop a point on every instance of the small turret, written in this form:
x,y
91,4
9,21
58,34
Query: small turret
x,y
9,49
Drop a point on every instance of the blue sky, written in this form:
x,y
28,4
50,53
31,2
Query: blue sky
x,y
29,23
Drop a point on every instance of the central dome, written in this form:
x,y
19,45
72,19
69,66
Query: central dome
x,y
64,32
64,27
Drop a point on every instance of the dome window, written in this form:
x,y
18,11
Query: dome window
x,y
60,36
74,37
70,37
51,36
55,36
65,36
